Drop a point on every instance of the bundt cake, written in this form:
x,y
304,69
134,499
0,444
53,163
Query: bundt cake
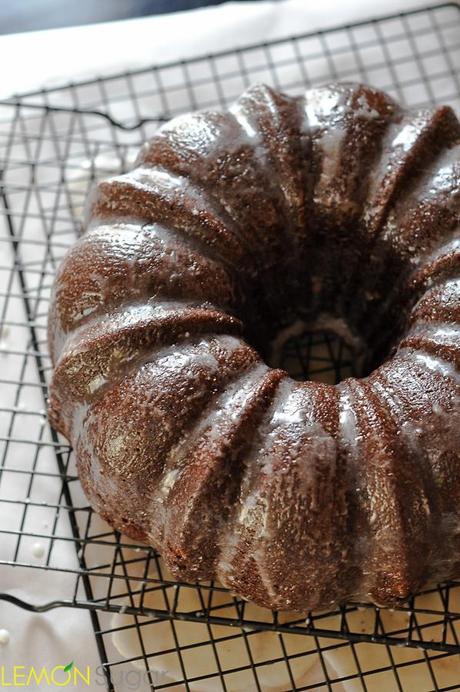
x,y
232,226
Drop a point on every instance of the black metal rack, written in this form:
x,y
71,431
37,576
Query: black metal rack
x,y
53,143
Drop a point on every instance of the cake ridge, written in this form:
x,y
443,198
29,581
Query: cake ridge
x,y
169,206
190,514
230,387
402,167
416,435
398,535
137,255
258,108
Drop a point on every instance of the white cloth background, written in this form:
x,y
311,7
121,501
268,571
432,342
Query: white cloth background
x,y
55,56
32,60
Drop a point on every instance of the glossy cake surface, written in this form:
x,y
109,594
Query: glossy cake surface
x,y
233,225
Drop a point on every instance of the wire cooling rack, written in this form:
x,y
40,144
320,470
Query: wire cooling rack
x,y
53,144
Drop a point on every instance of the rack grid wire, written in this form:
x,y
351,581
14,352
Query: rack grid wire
x,y
53,144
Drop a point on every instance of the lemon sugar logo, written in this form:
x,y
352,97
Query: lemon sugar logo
x,y
57,676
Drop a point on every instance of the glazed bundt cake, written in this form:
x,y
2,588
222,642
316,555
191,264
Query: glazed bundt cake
x,y
234,225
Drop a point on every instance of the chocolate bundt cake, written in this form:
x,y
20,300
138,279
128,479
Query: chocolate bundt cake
x,y
234,225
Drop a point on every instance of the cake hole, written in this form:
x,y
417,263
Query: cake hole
x,y
318,355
